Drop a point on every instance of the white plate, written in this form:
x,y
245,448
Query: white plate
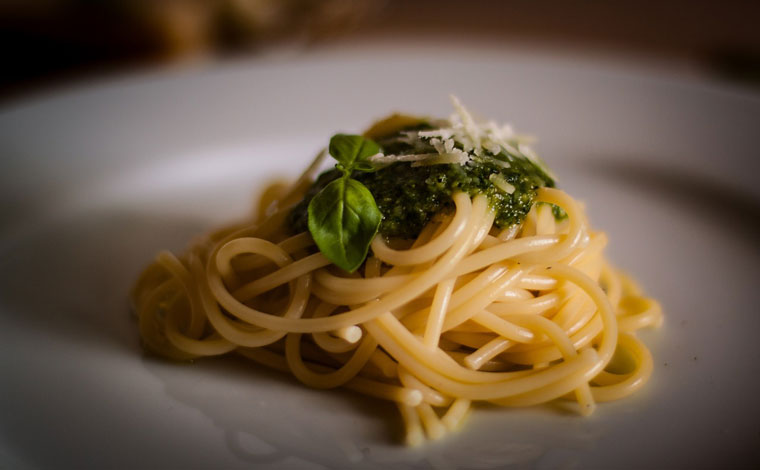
x,y
94,181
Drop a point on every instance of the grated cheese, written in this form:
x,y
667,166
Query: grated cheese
x,y
456,156
413,157
501,183
460,140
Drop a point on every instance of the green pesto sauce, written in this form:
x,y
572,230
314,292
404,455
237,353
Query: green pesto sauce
x,y
409,197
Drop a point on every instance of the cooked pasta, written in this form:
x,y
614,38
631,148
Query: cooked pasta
x,y
466,312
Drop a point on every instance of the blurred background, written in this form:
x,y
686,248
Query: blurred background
x,y
46,43
95,181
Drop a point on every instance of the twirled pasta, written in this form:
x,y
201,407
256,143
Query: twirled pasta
x,y
468,313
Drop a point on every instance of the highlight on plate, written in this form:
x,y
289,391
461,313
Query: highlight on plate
x,y
435,266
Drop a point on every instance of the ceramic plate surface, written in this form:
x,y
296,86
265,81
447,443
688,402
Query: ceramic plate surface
x,y
94,181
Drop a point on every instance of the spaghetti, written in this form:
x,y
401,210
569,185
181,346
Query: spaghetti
x,y
469,312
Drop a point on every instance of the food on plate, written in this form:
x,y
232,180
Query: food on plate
x,y
435,265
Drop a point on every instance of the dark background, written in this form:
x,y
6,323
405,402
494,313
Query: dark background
x,y
46,43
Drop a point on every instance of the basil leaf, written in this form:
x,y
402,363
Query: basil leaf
x,y
349,150
343,219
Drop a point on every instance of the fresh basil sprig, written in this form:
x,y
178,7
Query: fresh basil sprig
x,y
343,216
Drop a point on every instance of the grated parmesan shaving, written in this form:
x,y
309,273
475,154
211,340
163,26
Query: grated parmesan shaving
x,y
456,156
413,157
460,140
501,183
498,162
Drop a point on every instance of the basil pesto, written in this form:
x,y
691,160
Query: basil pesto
x,y
404,170
408,195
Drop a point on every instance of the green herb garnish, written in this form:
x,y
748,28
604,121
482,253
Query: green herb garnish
x,y
343,216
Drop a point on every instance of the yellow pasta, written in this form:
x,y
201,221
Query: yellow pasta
x,y
469,312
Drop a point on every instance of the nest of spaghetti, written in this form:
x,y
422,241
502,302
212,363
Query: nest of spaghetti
x,y
465,313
